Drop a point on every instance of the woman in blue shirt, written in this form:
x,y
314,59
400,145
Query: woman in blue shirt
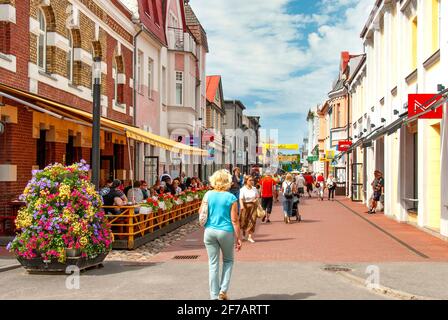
x,y
222,232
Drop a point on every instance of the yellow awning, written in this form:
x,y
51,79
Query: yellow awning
x,y
128,130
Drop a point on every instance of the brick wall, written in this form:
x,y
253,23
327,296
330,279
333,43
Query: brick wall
x,y
18,46
17,146
16,139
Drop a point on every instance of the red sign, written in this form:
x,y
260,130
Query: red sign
x,y
418,103
344,145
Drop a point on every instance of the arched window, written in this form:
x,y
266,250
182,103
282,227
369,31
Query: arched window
x,y
42,40
70,57
115,76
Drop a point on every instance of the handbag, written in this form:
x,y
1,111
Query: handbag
x,y
260,212
203,211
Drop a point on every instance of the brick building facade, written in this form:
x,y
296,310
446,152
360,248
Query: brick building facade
x,y
47,49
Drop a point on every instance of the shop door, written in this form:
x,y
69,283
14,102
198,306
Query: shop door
x,y
151,170
107,168
340,176
357,182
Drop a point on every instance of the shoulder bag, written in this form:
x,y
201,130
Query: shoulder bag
x,y
203,211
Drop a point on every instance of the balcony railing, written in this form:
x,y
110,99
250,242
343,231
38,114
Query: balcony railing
x,y
179,37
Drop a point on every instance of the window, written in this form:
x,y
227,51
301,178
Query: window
x,y
42,41
115,76
338,124
179,88
173,21
435,24
155,12
150,77
139,71
145,6
70,57
414,44
164,85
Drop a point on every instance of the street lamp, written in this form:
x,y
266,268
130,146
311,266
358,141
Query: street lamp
x,y
96,122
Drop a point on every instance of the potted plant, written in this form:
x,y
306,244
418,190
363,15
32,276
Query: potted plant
x,y
62,219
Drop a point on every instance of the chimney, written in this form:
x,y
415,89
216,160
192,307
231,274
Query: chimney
x,y
345,59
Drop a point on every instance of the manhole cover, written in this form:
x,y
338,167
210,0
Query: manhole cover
x,y
337,269
185,257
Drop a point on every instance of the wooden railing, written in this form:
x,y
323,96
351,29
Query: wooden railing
x,y
129,226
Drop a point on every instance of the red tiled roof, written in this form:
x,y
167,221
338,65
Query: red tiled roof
x,y
212,87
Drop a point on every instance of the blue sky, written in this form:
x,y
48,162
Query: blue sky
x,y
280,57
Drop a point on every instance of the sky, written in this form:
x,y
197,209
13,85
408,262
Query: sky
x,y
280,57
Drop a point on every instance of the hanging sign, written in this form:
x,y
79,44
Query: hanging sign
x,y
282,146
344,145
329,154
418,103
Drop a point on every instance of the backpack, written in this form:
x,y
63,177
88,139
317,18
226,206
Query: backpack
x,y
288,191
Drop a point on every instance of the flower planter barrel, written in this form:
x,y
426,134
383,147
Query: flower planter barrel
x,y
53,265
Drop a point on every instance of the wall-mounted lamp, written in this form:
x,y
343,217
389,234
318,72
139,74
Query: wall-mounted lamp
x,y
396,112
383,120
440,87
372,125
365,130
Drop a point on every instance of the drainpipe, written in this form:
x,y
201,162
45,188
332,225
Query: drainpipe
x,y
347,177
136,150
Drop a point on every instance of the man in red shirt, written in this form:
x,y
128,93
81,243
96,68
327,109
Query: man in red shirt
x,y
267,185
309,183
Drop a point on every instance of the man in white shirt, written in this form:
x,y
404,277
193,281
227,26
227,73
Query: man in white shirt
x,y
300,183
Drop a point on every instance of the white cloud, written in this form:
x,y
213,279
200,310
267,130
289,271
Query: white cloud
x,y
255,46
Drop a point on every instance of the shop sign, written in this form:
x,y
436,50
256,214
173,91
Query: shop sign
x,y
418,103
282,146
344,145
329,154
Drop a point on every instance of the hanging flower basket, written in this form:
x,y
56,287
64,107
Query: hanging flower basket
x,y
62,223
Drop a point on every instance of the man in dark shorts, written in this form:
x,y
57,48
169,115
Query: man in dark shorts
x,y
309,183
267,195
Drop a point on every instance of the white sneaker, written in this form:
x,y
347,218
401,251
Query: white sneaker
x,y
251,240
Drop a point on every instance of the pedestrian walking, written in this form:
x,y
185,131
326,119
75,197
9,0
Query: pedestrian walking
x,y
222,232
288,190
300,182
236,184
331,185
320,186
267,187
378,191
249,204
309,183
277,187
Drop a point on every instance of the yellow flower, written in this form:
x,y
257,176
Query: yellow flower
x,y
83,241
64,191
76,228
24,219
